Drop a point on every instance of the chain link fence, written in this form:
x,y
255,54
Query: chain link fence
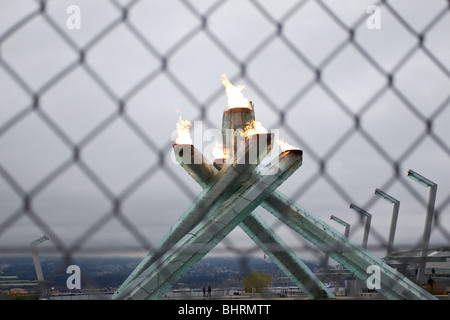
x,y
88,114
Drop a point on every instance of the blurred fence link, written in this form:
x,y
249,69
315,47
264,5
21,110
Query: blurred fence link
x,y
124,11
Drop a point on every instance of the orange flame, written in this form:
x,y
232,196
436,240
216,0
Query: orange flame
x,y
218,151
254,127
184,134
284,146
235,98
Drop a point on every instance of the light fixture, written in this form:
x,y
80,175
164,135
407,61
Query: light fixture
x,y
359,210
385,196
390,199
37,263
429,218
345,224
367,224
421,179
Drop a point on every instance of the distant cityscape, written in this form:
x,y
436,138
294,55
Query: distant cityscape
x,y
108,273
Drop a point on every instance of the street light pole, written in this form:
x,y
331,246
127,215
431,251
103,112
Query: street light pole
x,y
428,220
346,233
394,219
345,224
37,264
367,224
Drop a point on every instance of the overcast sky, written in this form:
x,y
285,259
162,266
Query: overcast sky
x,y
279,75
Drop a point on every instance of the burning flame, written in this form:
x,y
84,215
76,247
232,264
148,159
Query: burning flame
x,y
255,127
235,98
218,151
184,134
284,146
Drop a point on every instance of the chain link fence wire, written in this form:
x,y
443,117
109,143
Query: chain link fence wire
x,y
87,115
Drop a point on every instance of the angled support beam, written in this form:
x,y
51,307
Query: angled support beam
x,y
167,270
353,257
286,259
202,171
230,197
258,230
219,188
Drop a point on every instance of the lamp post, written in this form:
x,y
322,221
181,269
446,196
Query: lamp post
x,y
429,218
367,224
395,210
346,232
345,224
37,264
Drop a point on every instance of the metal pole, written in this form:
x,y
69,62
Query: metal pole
x,y
427,232
37,264
394,219
366,231
346,233
429,218
367,224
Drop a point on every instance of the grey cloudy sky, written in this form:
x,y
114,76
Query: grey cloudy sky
x,y
123,62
